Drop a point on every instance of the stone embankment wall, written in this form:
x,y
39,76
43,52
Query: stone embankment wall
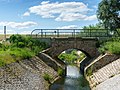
x,y
26,75
53,63
102,69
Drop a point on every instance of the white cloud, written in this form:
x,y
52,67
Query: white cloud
x,y
95,7
18,25
66,11
68,27
25,32
1,31
70,17
26,14
11,32
8,32
93,17
45,2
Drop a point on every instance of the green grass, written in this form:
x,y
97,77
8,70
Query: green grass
x,y
5,58
60,71
112,47
23,53
47,77
18,48
15,54
72,57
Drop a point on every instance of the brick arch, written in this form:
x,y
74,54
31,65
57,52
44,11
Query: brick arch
x,y
86,53
87,46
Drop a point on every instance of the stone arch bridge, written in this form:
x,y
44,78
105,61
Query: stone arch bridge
x,y
58,45
86,45
60,40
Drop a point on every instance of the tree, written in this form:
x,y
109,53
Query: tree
x,y
108,14
96,26
96,30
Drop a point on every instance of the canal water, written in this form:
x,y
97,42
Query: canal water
x,y
72,81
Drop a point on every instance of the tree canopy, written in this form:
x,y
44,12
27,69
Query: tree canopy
x,y
96,26
109,14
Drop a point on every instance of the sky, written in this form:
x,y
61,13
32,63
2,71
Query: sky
x,y
23,16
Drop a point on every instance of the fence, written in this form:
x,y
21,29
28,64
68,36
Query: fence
x,y
45,33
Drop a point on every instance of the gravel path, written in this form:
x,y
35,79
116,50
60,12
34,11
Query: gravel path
x,y
110,84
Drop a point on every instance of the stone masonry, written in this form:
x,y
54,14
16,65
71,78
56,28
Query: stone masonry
x,y
26,75
102,69
88,46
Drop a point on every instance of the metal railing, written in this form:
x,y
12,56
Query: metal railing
x,y
45,33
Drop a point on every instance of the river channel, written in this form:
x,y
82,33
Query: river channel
x,y
72,81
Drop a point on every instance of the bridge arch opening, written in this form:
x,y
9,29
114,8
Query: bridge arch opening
x,y
73,56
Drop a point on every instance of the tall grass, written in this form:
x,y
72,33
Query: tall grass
x,y
14,54
19,48
111,46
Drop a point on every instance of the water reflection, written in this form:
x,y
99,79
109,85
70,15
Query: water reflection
x,y
72,71
72,81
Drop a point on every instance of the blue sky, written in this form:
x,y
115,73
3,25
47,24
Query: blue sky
x,y
22,16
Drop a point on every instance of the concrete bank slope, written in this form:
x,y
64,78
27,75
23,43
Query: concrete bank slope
x,y
110,84
26,75
103,69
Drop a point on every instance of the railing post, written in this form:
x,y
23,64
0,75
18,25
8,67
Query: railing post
x,y
41,33
57,32
45,34
74,32
90,32
36,35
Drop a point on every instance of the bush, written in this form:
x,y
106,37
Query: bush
x,y
47,77
89,71
60,71
5,58
21,53
2,63
19,48
112,47
68,58
21,44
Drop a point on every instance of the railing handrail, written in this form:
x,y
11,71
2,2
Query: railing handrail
x,y
74,32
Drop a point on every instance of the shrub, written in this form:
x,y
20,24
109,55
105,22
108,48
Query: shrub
x,y
37,49
17,38
60,71
19,48
5,58
0,45
112,47
89,71
21,44
47,77
21,53
2,63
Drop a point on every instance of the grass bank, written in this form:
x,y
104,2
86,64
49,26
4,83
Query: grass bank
x,y
18,48
110,46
